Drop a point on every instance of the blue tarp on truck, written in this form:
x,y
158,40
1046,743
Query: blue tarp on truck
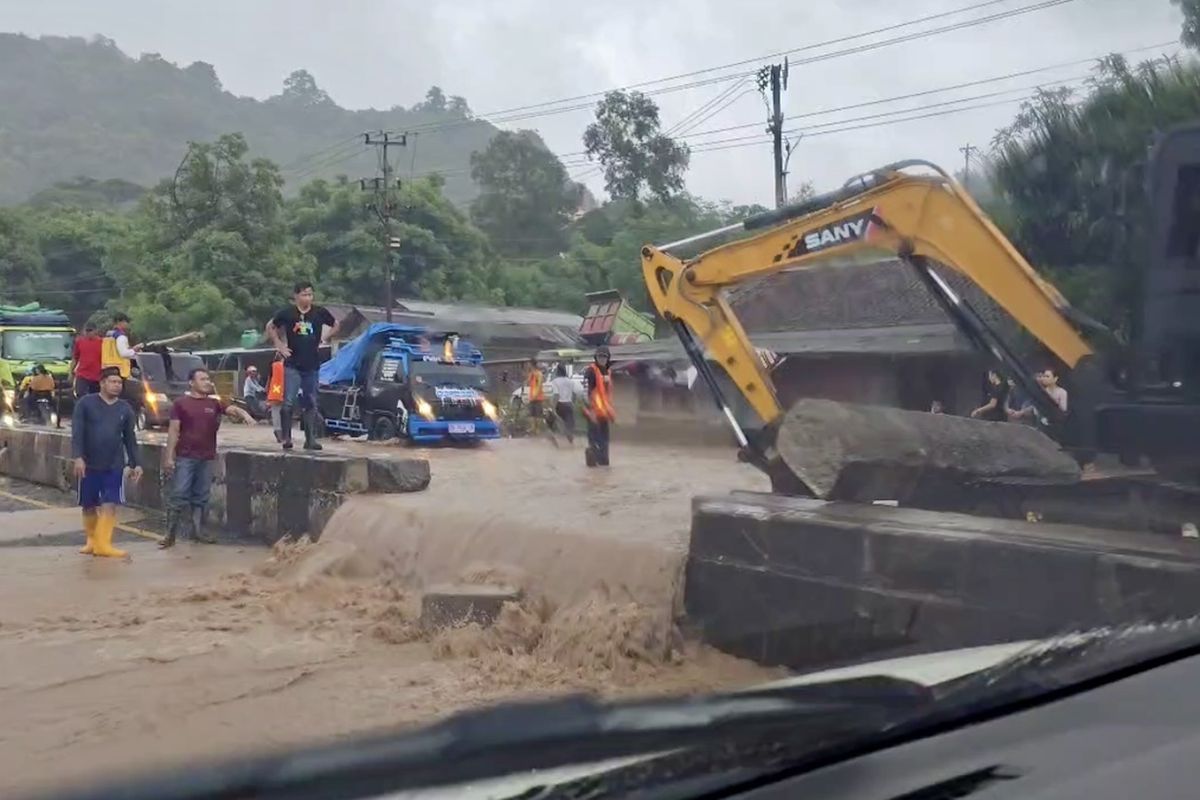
x,y
343,367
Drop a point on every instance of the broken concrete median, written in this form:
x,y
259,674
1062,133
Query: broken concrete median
x,y
263,495
802,583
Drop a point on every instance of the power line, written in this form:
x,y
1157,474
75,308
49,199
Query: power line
x,y
755,60
327,162
927,92
688,118
700,121
513,115
844,125
552,107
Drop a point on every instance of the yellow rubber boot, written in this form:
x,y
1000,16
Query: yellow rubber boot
x,y
106,523
89,528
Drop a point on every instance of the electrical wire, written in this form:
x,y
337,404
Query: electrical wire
x,y
554,107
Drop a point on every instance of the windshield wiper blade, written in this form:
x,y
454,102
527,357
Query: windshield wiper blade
x,y
515,737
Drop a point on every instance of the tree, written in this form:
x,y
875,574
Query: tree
x,y
1069,174
1190,32
526,197
459,107
435,100
636,156
605,251
805,191
441,255
21,264
84,192
75,244
300,88
209,248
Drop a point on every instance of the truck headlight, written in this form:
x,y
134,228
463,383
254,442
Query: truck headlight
x,y
424,409
10,397
489,408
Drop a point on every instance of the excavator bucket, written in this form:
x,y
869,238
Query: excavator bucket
x,y
843,451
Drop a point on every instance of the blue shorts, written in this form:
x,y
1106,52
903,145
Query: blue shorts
x,y
101,487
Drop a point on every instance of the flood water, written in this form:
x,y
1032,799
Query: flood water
x,y
183,655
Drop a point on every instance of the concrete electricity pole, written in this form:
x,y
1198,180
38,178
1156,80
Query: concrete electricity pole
x,y
775,77
967,151
383,205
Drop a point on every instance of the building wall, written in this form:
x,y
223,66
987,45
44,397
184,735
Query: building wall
x,y
909,382
650,410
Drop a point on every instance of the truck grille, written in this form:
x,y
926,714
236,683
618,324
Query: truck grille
x,y
459,410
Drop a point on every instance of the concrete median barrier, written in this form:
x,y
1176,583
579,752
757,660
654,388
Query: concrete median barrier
x,y
803,583
263,495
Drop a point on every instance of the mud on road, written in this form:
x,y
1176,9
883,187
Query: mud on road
x,y
183,655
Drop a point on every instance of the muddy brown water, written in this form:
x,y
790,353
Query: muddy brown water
x,y
180,656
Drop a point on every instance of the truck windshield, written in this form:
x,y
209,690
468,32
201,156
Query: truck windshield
x,y
458,374
38,345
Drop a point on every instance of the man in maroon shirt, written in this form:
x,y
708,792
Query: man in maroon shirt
x,y
85,361
191,448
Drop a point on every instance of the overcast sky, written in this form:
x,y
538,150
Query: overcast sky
x,y
508,53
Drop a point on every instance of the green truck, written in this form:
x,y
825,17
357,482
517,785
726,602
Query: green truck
x,y
31,334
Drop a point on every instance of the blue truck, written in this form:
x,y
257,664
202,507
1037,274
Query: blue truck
x,y
402,381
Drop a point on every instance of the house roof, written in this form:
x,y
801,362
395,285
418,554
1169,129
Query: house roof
x,y
876,307
499,331
845,296
933,339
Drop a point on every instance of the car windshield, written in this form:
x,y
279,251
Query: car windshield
x,y
37,345
879,374
437,374
182,364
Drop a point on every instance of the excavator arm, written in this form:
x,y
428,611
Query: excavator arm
x,y
920,218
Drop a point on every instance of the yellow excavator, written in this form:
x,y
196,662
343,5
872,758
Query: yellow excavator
x,y
917,212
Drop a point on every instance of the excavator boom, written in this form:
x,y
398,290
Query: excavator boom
x,y
921,219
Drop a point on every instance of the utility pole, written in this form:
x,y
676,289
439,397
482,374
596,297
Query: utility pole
x,y
775,76
383,205
967,151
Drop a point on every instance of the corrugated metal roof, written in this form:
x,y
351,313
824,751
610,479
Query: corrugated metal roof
x,y
935,339
477,313
874,294
498,331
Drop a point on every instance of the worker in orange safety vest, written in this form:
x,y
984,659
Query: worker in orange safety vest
x,y
535,382
599,410
275,395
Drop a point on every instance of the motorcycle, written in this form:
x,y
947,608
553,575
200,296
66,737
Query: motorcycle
x,y
42,413
259,411
255,407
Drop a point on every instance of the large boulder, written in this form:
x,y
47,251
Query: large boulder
x,y
843,451
387,475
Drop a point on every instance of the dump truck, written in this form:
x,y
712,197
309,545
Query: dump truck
x,y
401,381
32,334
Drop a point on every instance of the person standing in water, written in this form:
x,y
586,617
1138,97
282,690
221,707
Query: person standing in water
x,y
599,407
564,401
191,450
104,446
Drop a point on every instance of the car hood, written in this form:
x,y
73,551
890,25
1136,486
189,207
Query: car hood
x,y
929,669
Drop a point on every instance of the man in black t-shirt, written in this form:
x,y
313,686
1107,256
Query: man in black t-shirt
x,y
995,399
298,332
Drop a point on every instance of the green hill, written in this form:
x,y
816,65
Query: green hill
x,y
73,107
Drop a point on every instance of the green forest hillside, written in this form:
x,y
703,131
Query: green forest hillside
x,y
74,107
